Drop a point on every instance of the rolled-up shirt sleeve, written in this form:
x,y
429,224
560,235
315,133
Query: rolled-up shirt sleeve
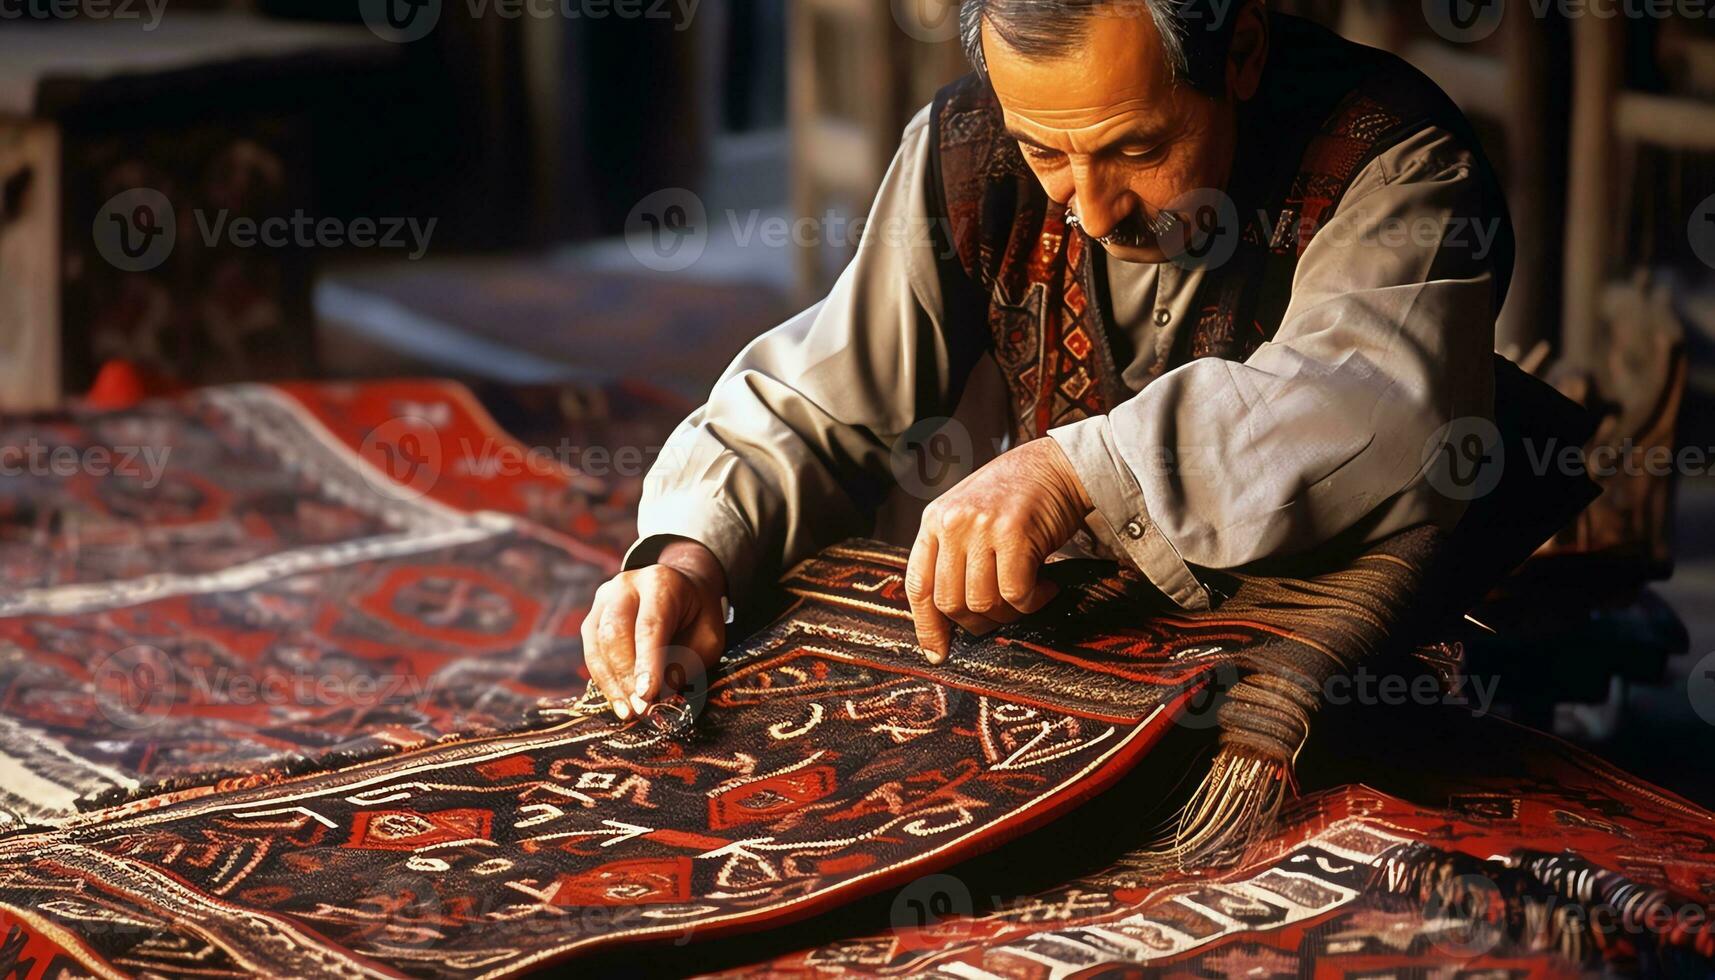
x,y
1387,338
792,450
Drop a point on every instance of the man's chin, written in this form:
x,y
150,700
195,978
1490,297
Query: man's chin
x,y
1151,253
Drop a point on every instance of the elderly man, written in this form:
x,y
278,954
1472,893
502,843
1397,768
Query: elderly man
x,y
1237,273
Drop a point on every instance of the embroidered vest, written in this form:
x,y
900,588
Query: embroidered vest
x,y
1326,108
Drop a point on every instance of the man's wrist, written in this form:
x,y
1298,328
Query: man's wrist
x,y
1067,476
697,562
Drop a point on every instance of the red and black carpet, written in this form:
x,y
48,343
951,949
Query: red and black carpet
x,y
260,578
306,704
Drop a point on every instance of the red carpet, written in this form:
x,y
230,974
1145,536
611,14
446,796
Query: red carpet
x,y
1562,867
475,821
231,583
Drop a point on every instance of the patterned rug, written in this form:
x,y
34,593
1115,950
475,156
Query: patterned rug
x,y
1537,861
481,818
267,578
828,763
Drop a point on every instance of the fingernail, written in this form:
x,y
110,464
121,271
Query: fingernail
x,y
621,709
642,685
638,703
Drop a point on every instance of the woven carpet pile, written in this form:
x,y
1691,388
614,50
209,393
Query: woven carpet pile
x,y
306,700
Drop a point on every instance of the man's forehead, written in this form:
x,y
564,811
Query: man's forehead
x,y
1116,68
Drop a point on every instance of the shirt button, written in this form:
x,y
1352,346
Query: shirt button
x,y
1133,529
1162,316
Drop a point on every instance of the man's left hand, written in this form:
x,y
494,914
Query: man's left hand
x,y
982,544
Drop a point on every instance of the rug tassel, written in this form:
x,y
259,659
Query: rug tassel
x,y
1264,719
1236,803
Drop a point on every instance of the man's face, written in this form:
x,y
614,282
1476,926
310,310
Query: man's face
x,y
1109,131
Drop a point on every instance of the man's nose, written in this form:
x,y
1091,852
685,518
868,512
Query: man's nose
x,y
1101,204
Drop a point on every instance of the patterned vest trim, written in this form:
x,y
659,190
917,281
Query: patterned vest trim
x,y
1326,108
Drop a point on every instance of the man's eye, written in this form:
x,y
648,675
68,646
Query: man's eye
x,y
1141,152
1039,152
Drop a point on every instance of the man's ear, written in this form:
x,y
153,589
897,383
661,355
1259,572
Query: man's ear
x,y
1248,51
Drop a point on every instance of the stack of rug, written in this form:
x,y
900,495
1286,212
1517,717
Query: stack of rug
x,y
306,699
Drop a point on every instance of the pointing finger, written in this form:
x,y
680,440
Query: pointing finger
x,y
934,633
658,616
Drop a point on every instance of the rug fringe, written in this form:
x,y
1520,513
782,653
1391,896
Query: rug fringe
x,y
1233,807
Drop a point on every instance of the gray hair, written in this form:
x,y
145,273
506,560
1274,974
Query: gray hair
x,y
1194,35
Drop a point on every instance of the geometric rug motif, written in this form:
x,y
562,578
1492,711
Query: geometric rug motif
x,y
264,578
1566,868
454,831
313,668
829,763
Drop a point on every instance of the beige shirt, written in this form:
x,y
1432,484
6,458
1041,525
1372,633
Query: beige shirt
x,y
1386,338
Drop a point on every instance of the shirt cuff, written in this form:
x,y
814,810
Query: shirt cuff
x,y
1121,519
707,522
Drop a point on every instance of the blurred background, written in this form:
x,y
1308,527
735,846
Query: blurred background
x,y
534,192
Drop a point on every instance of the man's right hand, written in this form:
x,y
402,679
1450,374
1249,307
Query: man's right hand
x,y
638,614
